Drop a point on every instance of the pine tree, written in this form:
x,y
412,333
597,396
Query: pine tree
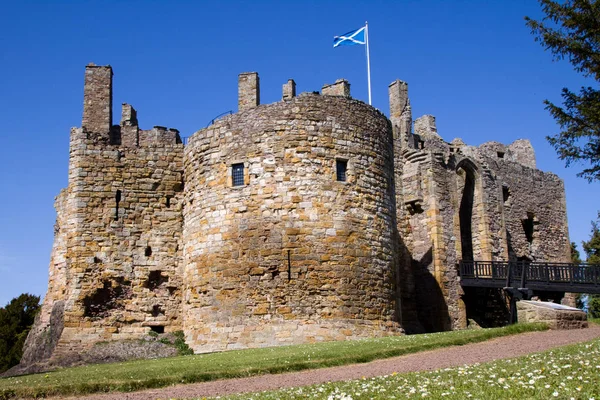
x,y
575,256
571,30
16,320
592,246
592,251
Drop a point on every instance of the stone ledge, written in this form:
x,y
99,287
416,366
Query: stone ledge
x,y
557,316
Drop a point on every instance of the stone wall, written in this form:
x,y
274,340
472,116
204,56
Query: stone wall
x,y
116,263
461,202
125,242
241,289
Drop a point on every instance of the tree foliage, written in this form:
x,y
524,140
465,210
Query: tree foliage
x,y
592,246
16,320
575,256
592,252
571,30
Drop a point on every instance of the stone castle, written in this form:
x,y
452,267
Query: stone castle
x,y
311,219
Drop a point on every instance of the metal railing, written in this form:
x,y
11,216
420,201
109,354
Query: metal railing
x,y
542,275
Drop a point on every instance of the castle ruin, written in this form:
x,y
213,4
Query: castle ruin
x,y
310,219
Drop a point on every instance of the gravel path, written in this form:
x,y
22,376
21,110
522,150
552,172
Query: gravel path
x,y
505,347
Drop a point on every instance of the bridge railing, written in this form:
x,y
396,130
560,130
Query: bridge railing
x,y
521,273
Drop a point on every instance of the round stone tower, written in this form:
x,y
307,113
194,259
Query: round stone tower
x,y
289,224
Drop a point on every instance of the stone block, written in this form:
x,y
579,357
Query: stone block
x,y
557,316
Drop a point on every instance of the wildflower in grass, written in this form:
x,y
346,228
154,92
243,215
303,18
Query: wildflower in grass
x,y
545,375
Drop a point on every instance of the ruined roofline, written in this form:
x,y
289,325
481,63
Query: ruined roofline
x,y
97,120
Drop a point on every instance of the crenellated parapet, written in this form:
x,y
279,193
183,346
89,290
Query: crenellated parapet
x,y
97,116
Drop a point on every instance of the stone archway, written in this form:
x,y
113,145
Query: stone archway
x,y
484,306
471,222
465,214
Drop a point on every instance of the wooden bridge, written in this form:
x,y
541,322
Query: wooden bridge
x,y
555,277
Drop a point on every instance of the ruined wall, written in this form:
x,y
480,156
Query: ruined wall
x,y
118,246
126,247
409,199
461,202
533,207
240,290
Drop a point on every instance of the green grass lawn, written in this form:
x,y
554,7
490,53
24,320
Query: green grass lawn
x,y
570,372
135,375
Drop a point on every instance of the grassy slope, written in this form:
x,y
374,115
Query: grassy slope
x,y
569,372
141,374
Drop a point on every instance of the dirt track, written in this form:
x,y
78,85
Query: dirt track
x,y
505,347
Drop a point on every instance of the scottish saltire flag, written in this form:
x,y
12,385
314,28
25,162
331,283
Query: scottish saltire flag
x,y
351,38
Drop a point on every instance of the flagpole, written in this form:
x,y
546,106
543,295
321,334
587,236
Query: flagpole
x,y
368,59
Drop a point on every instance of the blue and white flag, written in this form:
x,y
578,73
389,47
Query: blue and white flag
x,y
351,38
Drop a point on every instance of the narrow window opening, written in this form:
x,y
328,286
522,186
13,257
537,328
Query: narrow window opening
x,y
505,193
500,154
528,227
237,174
341,168
97,260
289,265
168,204
158,329
117,201
148,251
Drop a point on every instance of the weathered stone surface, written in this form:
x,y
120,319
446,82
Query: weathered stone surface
x,y
289,90
341,87
557,316
248,91
97,100
314,218
241,290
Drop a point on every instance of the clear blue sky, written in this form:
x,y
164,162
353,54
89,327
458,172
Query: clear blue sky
x,y
472,64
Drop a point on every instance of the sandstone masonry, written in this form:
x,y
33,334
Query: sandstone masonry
x,y
314,218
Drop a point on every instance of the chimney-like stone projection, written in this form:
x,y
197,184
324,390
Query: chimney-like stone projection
x,y
400,112
248,91
341,87
289,90
97,100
